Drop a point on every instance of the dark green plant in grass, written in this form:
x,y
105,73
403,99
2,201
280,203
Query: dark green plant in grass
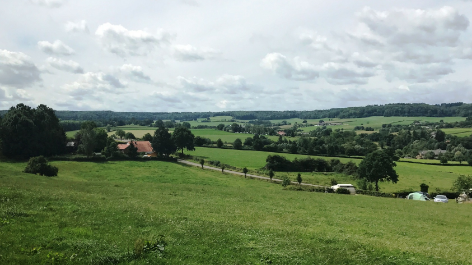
x,y
271,174
202,162
285,181
424,187
223,168
333,182
443,159
131,150
299,178
245,171
39,165
219,143
342,191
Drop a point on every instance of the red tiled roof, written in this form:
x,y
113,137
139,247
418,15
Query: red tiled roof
x,y
281,133
143,146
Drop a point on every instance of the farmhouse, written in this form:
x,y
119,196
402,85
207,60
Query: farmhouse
x,y
281,133
143,147
436,152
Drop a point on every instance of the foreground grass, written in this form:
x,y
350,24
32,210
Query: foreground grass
x,y
96,212
411,175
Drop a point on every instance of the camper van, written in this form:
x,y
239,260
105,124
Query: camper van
x,y
349,187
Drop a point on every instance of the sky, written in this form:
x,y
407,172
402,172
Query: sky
x,y
208,55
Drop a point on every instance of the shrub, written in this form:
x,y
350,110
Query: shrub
x,y
342,191
333,182
286,181
39,165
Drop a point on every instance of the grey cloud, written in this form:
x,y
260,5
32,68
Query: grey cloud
x,y
280,65
363,61
17,70
58,48
191,54
68,66
121,41
79,26
338,74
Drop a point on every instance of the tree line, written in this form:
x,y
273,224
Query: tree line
x,y
458,109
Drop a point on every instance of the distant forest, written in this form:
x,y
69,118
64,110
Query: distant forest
x,y
458,109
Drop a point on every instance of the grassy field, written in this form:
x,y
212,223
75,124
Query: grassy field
x,y
411,175
460,132
100,213
377,121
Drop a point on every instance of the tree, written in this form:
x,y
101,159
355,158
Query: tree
x,y
459,153
248,141
111,150
147,137
377,166
299,178
183,138
442,159
219,143
88,140
220,126
108,128
424,187
130,136
271,174
235,127
440,136
186,124
285,181
159,124
162,142
120,133
26,132
131,150
245,171
238,144
462,183
39,165
223,166
101,137
202,162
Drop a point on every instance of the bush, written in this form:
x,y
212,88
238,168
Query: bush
x,y
39,165
333,182
286,181
342,191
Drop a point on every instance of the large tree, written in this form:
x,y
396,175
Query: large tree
x,y
27,132
377,166
162,142
183,138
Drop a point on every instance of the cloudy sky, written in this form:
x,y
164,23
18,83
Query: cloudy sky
x,y
209,55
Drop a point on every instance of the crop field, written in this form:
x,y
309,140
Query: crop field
x,y
411,175
103,213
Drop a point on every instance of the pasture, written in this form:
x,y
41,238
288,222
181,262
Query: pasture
x,y
411,175
101,213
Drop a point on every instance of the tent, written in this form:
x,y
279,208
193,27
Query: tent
x,y
417,197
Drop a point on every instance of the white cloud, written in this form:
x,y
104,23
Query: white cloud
x,y
58,48
340,74
296,70
91,83
79,26
121,41
68,66
135,73
417,73
225,84
17,69
441,27
49,3
191,54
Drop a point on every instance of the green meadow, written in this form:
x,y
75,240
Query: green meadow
x,y
411,175
102,213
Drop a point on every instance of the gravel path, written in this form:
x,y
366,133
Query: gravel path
x,y
242,174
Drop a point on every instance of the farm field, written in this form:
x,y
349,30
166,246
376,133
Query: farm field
x,y
411,175
101,212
